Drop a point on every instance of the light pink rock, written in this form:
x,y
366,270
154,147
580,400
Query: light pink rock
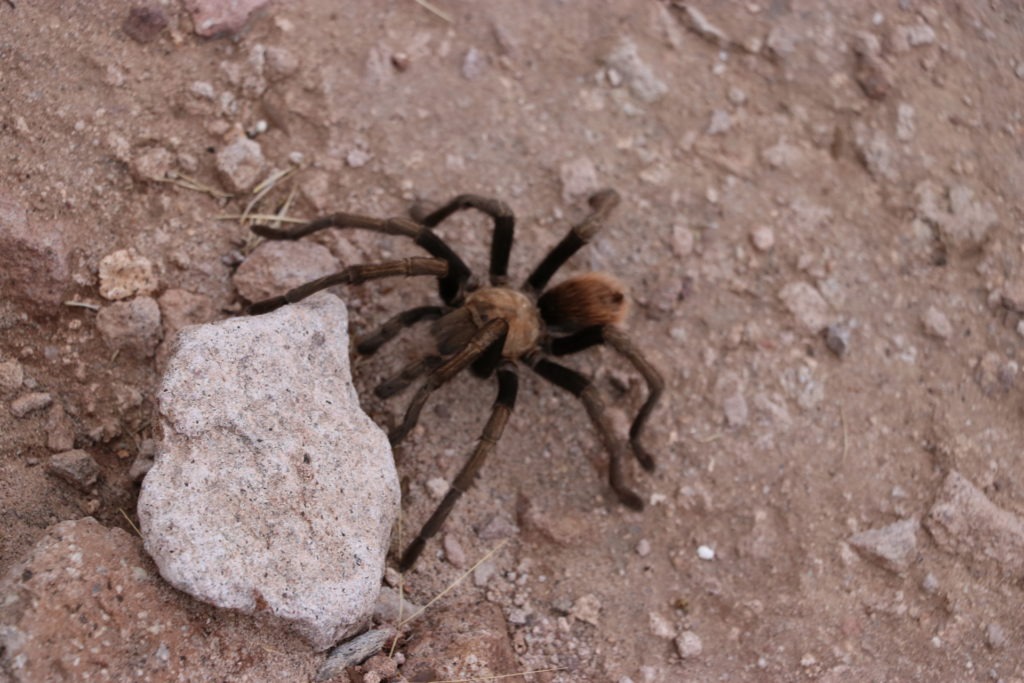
x,y
274,267
216,17
125,273
272,492
240,164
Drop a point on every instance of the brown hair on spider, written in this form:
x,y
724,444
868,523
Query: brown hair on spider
x,y
584,301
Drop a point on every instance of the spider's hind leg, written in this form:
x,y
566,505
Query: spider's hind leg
x,y
409,374
508,385
622,344
584,390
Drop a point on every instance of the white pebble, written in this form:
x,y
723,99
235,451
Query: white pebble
x,y
705,552
762,237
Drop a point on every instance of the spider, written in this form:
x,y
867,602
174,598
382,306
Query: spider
x,y
491,330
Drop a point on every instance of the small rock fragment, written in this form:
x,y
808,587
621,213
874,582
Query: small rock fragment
x,y
587,608
705,552
735,409
453,551
782,155
682,240
763,238
995,636
276,266
152,165
720,123
29,403
60,430
875,152
697,22
240,164
281,63
34,255
892,546
217,17
126,273
76,467
837,339
689,645
915,35
872,73
807,305
936,324
579,178
965,522
643,547
131,325
660,626
12,375
474,64
144,23
962,221
905,124
640,78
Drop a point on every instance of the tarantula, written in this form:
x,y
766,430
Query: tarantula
x,y
492,329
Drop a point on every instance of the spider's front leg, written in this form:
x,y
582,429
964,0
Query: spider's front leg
x,y
508,386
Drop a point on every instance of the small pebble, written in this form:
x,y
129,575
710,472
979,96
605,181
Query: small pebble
x,y
705,552
75,467
643,548
437,488
720,123
453,551
660,626
28,403
995,636
240,164
145,23
688,645
587,608
12,375
837,339
936,324
126,273
763,238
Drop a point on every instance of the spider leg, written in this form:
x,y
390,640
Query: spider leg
x,y
370,343
583,389
493,332
508,386
622,344
354,275
601,204
452,284
504,227
409,374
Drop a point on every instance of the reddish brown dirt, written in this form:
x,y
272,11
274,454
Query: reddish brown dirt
x,y
772,450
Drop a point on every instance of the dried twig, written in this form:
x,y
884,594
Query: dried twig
x,y
129,520
500,676
267,217
261,190
190,183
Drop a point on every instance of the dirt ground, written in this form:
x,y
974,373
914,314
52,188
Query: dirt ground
x,y
820,229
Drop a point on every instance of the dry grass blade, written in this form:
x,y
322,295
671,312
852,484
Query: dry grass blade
x,y
454,583
130,522
265,217
190,183
434,10
264,188
82,304
500,676
401,586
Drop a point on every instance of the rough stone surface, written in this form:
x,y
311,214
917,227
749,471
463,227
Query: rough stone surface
x,y
34,260
965,522
215,17
963,222
807,305
126,273
131,325
639,76
302,480
892,546
274,267
127,624
12,375
240,164
30,402
75,467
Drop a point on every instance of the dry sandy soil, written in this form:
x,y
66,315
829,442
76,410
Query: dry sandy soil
x,y
821,234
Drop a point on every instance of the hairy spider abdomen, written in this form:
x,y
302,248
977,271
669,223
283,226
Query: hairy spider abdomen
x,y
587,300
454,329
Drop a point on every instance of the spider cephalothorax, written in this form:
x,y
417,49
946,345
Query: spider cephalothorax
x,y
493,329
